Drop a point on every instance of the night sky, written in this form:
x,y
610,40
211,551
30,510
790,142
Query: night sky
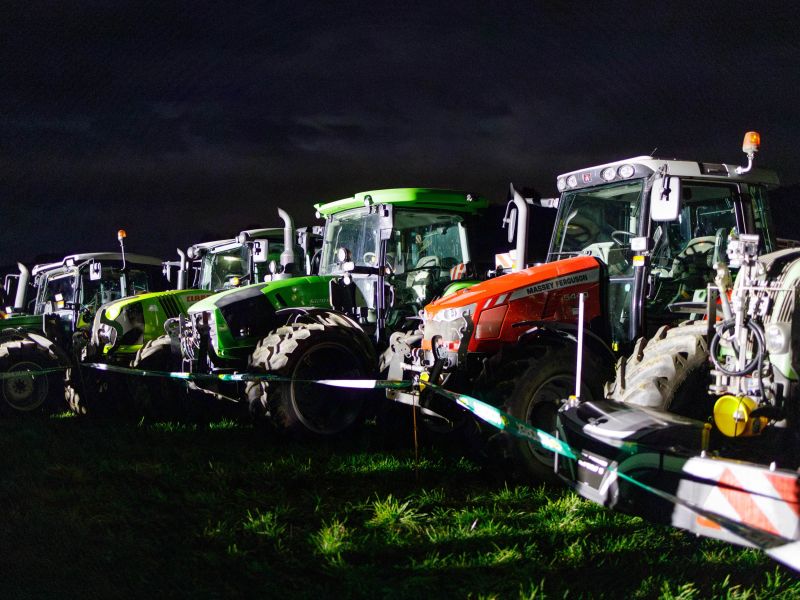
x,y
188,122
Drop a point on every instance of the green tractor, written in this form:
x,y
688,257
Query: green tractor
x,y
47,333
130,331
385,254
737,368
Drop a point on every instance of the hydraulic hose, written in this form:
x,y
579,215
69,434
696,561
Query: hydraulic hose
x,y
754,364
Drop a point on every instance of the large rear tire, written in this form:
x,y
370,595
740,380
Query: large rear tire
x,y
153,396
306,352
670,371
542,383
25,394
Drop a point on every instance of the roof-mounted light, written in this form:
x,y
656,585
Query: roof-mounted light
x,y
608,174
572,181
561,184
121,234
626,171
751,143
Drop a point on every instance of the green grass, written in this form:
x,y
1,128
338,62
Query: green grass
x,y
113,510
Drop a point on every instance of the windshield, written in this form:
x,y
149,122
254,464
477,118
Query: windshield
x,y
425,240
599,221
58,290
220,269
107,288
229,267
358,232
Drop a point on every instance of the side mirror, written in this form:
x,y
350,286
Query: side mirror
x,y
95,271
665,198
259,251
511,221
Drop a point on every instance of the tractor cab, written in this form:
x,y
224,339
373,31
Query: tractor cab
x,y
392,251
74,289
253,256
659,226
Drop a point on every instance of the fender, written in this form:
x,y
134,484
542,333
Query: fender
x,y
12,334
63,359
331,318
567,334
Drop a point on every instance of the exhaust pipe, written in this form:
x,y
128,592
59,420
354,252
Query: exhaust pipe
x,y
287,256
182,268
522,229
22,287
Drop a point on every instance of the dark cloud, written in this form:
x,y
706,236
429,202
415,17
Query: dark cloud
x,y
176,119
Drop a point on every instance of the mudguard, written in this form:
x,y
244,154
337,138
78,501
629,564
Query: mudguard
x,y
566,333
64,359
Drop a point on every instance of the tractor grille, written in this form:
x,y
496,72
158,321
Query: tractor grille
x,y
170,306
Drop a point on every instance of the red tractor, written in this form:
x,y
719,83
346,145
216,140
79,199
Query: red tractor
x,y
639,237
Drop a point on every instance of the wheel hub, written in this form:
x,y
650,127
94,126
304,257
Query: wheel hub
x,y
25,392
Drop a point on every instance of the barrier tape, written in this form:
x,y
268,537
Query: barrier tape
x,y
37,373
366,384
779,548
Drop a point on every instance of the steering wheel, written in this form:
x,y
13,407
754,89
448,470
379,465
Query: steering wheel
x,y
699,245
370,258
617,234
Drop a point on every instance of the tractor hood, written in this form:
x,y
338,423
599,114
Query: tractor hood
x,y
284,290
112,309
541,278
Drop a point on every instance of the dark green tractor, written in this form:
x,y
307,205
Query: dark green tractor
x,y
385,254
47,334
130,331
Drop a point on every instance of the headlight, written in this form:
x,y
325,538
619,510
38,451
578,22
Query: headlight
x,y
626,171
112,312
451,314
608,174
778,336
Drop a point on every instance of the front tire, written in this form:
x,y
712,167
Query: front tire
x,y
154,396
670,371
24,394
305,352
544,381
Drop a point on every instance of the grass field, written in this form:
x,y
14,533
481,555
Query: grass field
x,y
113,510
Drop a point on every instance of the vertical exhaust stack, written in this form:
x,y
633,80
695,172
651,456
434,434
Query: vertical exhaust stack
x,y
522,229
22,287
287,256
183,267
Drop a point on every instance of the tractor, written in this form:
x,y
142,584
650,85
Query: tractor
x,y
638,237
129,331
47,333
385,254
738,366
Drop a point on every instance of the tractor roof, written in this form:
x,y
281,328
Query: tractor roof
x,y
252,234
645,165
424,198
78,259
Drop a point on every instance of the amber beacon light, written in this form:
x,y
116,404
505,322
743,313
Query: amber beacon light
x,y
750,145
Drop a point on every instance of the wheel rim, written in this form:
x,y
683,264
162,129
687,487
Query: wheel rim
x,y
543,409
322,409
25,393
